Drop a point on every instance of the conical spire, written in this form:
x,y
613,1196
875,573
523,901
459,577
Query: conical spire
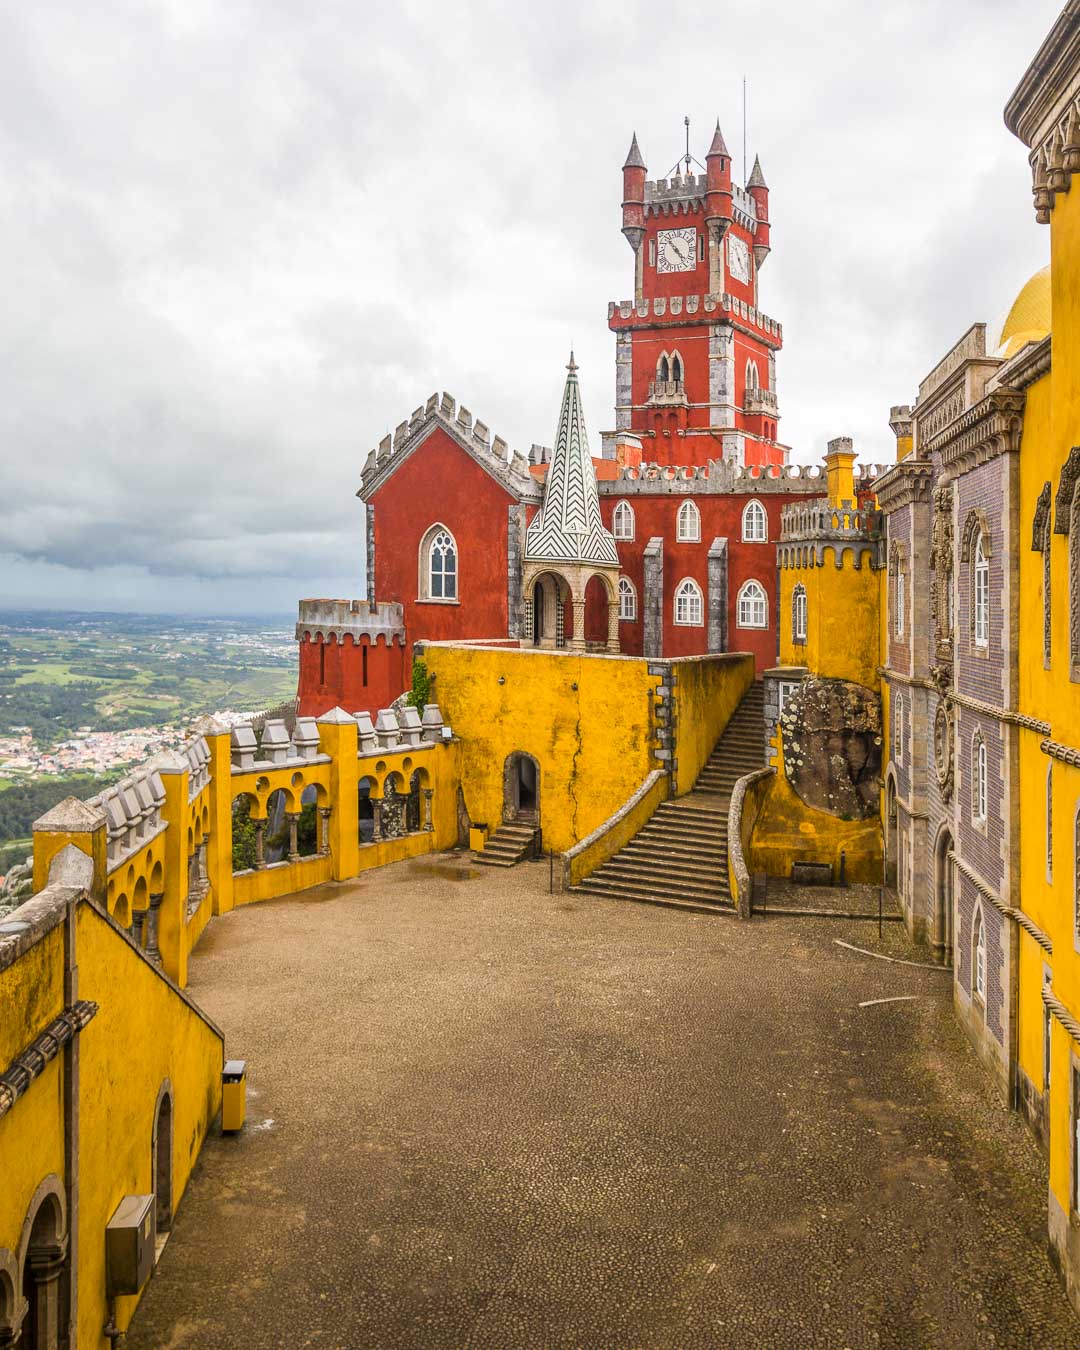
x,y
633,158
568,526
718,146
757,178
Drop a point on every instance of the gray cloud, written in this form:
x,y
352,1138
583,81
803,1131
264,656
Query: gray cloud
x,y
244,241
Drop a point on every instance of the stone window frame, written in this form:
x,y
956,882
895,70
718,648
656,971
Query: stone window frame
x,y
979,780
688,523
1076,873
752,376
758,532
627,601
1041,534
746,598
425,586
690,601
897,593
977,533
623,521
799,614
898,730
978,956
1074,588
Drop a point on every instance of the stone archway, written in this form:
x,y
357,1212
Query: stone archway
x,y
521,787
892,832
944,898
558,582
42,1258
161,1158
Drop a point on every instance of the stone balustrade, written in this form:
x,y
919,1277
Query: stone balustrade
x,y
132,810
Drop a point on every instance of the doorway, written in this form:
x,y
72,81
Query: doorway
x,y
944,899
521,787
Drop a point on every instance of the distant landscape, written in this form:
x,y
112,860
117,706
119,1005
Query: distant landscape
x,y
83,696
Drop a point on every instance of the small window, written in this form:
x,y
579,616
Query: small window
x,y
755,523
981,594
676,368
753,606
627,599
978,779
752,379
899,606
438,565
979,945
652,252
688,524
1049,823
689,609
622,521
898,729
1076,871
662,369
788,689
798,613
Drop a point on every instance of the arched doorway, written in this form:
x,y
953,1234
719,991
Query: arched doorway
x,y
944,898
892,833
548,600
598,603
521,788
43,1255
161,1151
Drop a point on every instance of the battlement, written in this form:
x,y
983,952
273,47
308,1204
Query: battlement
x,y
818,520
725,476
132,810
471,434
635,313
319,620
668,196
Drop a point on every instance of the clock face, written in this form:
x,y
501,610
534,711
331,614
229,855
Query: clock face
x,y
738,259
676,250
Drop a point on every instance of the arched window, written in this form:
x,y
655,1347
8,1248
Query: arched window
x,y
980,591
752,610
662,372
755,523
979,948
688,524
1049,822
689,608
798,613
900,598
438,565
898,729
978,779
627,599
622,521
752,379
676,367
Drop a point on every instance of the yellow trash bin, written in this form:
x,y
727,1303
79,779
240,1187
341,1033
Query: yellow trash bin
x,y
233,1095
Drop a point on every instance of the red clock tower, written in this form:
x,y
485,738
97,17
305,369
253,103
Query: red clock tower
x,y
695,355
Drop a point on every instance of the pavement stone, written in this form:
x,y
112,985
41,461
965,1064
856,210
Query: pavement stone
x,y
484,1115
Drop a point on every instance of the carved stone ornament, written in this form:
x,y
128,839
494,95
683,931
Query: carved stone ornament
x,y
1042,516
1063,502
943,750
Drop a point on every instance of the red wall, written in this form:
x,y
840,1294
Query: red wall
x,y
440,482
335,675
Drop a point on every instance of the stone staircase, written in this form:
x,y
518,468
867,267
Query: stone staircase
x,y
679,859
508,845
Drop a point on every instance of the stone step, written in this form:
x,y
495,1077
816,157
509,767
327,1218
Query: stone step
x,y
663,879
641,886
691,906
706,843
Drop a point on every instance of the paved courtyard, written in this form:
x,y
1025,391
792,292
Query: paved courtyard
x,y
481,1115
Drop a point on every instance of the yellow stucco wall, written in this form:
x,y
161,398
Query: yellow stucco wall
x,y
144,1034
707,691
843,617
605,842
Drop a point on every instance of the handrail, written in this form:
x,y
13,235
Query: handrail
x,y
738,872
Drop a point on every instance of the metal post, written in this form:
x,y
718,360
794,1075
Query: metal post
x,y
843,869
880,899
551,872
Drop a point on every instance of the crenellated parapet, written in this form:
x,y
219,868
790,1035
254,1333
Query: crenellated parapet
x,y
723,476
510,467
321,620
132,810
675,309
808,529
685,193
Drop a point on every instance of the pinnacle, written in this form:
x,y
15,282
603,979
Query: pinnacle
x,y
719,145
572,365
634,158
757,178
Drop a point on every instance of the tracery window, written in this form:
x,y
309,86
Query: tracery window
x,y
752,378
899,606
752,610
755,523
627,599
688,524
798,613
662,368
689,607
622,521
676,367
438,565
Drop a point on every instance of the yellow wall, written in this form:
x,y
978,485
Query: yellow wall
x,y
843,617
605,842
707,691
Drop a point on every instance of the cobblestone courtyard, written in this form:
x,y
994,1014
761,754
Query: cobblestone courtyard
x,y
481,1115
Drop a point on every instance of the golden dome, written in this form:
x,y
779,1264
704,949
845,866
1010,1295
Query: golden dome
x,y
1029,318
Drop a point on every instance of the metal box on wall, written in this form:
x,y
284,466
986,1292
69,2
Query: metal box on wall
x,y
129,1245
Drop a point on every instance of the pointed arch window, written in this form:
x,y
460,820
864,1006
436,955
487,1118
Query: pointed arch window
x,y
627,600
1076,870
689,606
979,953
676,368
752,609
980,572
1050,822
752,377
688,524
755,523
663,369
438,565
898,729
978,779
798,613
622,521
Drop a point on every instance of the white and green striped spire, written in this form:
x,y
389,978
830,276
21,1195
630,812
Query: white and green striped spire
x,y
568,526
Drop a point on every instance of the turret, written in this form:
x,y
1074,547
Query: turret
x,y
759,190
718,209
901,422
633,207
839,465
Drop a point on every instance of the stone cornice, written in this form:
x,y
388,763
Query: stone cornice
x,y
988,429
1044,111
909,481
1029,364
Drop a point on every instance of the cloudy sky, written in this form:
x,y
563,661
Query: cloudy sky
x,y
242,240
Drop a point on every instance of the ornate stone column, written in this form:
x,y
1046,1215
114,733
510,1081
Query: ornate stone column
x,y
45,1270
204,876
324,831
153,917
376,822
138,920
613,625
428,794
293,817
260,831
577,642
